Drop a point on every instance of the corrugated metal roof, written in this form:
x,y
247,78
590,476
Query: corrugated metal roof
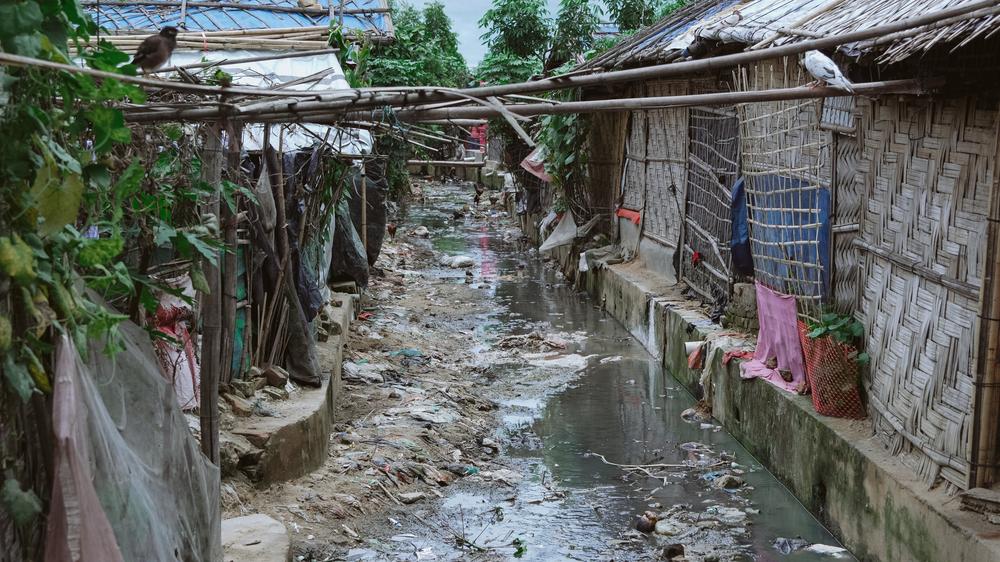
x,y
369,16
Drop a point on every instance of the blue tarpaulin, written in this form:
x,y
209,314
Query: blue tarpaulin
x,y
790,234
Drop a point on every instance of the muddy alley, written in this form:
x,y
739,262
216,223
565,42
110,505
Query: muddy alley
x,y
492,412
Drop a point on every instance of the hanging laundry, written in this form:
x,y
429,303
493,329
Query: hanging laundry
x,y
778,339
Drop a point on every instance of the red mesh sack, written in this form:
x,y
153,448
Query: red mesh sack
x,y
833,376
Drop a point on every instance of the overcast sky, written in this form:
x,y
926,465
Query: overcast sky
x,y
465,16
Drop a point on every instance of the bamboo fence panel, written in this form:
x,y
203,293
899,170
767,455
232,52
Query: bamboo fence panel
x,y
786,167
607,151
666,156
634,186
713,166
927,168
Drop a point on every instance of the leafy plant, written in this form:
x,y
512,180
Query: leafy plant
x,y
575,27
518,27
843,328
520,547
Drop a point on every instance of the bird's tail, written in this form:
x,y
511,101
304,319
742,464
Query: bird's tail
x,y
845,84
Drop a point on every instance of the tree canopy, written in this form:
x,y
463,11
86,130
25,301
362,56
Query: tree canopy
x,y
424,53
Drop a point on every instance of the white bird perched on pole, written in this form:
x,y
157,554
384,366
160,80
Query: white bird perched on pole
x,y
825,70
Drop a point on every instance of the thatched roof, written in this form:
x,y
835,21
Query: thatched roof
x,y
758,22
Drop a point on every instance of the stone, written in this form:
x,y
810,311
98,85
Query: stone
x,y
257,437
233,449
276,376
668,527
728,482
421,232
255,538
245,388
461,262
240,406
276,393
411,497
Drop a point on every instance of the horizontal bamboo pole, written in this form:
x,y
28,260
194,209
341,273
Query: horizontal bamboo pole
x,y
238,6
911,87
452,163
8,59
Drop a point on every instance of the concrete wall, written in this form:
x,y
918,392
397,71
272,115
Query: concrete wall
x,y
872,502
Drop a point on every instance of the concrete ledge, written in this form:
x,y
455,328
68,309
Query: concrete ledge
x,y
872,502
297,441
255,538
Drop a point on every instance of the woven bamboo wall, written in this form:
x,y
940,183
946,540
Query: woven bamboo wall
x,y
634,186
666,156
713,166
786,165
607,152
927,168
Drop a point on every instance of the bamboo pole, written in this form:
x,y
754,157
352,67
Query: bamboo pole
x,y
985,447
327,112
364,207
228,218
909,87
211,172
18,60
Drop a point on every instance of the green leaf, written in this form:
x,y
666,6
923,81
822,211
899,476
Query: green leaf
x,y
164,233
23,506
17,259
63,158
198,280
864,358
56,195
818,332
829,317
19,17
857,329
98,176
18,377
25,44
173,131
109,127
130,180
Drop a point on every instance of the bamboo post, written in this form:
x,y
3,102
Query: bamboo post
x,y
211,173
228,219
985,447
364,208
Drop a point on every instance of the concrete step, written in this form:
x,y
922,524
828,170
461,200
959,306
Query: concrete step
x,y
255,538
296,441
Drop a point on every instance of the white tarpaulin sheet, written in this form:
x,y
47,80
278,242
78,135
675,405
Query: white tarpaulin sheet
x,y
563,234
271,73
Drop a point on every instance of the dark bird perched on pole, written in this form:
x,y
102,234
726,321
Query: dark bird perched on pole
x,y
155,50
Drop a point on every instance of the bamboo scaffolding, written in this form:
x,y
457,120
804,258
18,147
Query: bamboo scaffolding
x,y
415,96
233,62
242,6
328,112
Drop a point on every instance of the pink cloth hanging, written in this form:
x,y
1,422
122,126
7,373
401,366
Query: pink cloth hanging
x,y
779,337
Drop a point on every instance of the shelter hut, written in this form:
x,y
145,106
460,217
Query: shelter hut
x,y
270,44
884,207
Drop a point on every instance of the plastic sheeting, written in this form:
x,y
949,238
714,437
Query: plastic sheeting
x,y
534,163
269,73
564,233
180,367
778,338
130,480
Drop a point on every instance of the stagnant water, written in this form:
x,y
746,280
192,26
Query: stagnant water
x,y
573,506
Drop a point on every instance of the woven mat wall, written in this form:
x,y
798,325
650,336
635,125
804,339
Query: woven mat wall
x,y
927,168
713,166
846,224
607,151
